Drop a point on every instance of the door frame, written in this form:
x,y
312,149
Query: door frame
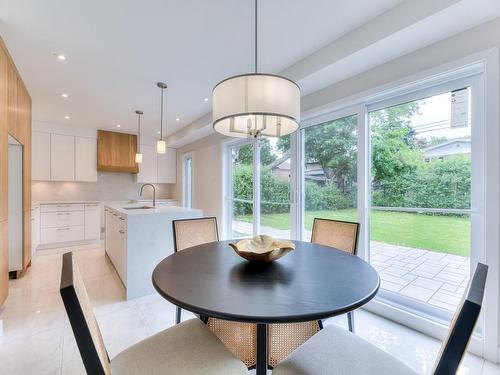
x,y
186,156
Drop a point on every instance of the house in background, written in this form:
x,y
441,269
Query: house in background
x,y
280,169
443,151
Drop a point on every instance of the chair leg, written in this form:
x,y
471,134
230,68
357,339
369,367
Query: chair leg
x,y
178,315
350,321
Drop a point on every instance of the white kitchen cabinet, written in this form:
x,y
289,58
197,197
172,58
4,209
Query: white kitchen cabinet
x,y
62,219
62,157
116,243
157,168
148,167
57,157
85,159
40,156
62,234
60,207
68,222
35,229
122,254
167,167
92,221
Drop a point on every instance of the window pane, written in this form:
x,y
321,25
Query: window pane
x,y
330,171
421,153
421,159
242,191
275,169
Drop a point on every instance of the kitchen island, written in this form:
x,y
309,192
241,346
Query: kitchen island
x,y
137,238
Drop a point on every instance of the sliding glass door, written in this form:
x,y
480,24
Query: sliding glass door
x,y
260,188
422,200
329,171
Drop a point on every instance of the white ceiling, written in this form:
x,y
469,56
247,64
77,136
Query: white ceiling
x,y
118,49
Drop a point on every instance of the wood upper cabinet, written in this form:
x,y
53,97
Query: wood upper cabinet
x,y
116,152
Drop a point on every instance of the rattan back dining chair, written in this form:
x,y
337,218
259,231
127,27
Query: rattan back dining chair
x,y
334,351
342,235
285,338
238,337
192,232
187,348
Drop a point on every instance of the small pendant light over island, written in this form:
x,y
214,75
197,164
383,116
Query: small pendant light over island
x,y
161,145
138,154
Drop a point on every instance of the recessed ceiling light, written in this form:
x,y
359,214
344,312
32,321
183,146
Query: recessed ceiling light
x,y
67,117
158,132
177,119
63,95
118,126
60,56
205,99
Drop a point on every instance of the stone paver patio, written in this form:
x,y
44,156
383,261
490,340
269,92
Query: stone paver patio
x,y
423,275
436,278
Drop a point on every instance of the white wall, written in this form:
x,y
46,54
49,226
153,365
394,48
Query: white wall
x,y
464,47
108,187
207,176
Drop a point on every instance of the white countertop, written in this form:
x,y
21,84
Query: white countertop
x,y
121,208
62,202
142,201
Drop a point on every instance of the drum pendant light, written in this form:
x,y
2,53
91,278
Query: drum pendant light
x,y
138,154
161,145
256,104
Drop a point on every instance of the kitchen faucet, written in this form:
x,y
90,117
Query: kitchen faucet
x,y
154,193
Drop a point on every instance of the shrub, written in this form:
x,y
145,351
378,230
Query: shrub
x,y
333,197
441,184
327,197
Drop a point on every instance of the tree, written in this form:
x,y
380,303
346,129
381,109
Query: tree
x,y
395,153
334,146
245,153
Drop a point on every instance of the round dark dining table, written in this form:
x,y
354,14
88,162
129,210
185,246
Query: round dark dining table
x,y
312,282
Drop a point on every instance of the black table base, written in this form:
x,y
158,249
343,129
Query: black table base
x,y
261,366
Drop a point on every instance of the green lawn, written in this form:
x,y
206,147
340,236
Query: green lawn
x,y
439,233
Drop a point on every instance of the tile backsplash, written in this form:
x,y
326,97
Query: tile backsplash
x,y
109,187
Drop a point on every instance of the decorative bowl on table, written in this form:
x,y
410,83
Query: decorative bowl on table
x,y
262,248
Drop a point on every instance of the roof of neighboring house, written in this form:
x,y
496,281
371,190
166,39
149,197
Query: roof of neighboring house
x,y
282,163
458,140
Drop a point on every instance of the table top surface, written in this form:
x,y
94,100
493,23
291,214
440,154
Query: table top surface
x,y
312,282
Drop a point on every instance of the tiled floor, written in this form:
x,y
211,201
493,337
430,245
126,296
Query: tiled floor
x,y
37,338
426,276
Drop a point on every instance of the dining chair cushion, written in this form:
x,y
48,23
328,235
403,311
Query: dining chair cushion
x,y
336,351
186,348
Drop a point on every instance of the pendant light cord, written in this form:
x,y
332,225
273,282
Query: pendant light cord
x,y
139,131
161,114
255,36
